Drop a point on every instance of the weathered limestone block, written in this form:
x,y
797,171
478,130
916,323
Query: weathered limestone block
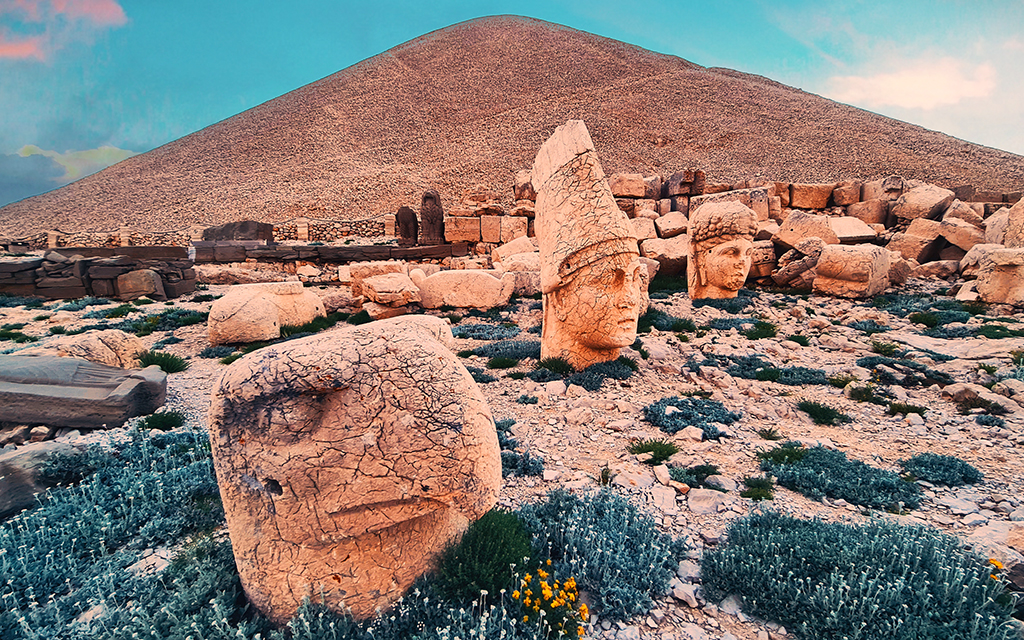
x,y
522,186
379,311
513,227
942,269
926,201
782,192
69,392
21,480
899,268
870,212
592,280
721,248
670,253
359,271
978,254
490,229
627,185
964,212
391,289
796,268
1013,237
241,230
649,214
920,241
644,228
755,198
846,193
995,226
762,259
653,184
952,252
390,225
1001,277
671,224
139,283
254,312
110,347
664,207
679,183
961,233
800,225
463,288
766,230
458,229
346,463
857,271
518,245
850,230
523,262
810,196
889,188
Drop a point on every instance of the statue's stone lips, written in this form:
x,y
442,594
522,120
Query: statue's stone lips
x,y
68,392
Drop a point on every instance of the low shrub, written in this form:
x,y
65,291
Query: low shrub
x,y
875,581
695,476
231,358
163,421
203,297
820,472
525,399
485,331
989,420
869,393
556,365
168,362
516,375
927,318
823,413
141,302
840,381
674,414
82,303
638,346
664,286
480,376
887,349
658,319
10,331
543,375
904,408
966,406
939,469
869,326
119,311
315,325
218,351
499,362
760,488
361,317
58,330
29,302
484,558
769,433
761,330
517,349
594,376
520,464
615,551
453,318
729,305
803,341
660,449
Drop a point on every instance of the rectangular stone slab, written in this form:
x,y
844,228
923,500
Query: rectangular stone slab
x,y
68,392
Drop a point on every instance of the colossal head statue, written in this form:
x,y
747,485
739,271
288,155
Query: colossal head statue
x,y
346,462
592,280
721,248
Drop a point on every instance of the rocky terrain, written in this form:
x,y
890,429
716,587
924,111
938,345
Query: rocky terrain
x,y
470,104
579,433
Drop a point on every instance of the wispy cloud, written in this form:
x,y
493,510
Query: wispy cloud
x,y
37,28
924,83
78,164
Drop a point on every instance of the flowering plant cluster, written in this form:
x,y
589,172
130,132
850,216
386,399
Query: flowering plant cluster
x,y
551,603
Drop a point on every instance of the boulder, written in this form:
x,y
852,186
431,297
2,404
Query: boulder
x,y
21,480
961,233
139,283
1001,277
522,187
518,245
359,271
963,212
846,193
800,225
889,188
346,462
858,271
670,253
671,224
899,268
919,242
850,230
523,262
255,312
391,289
627,185
810,196
463,288
705,501
1013,237
995,226
762,259
382,311
643,228
513,227
69,392
870,212
925,201
978,254
942,269
338,298
965,391
111,347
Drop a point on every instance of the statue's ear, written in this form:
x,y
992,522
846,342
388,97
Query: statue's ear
x,y
556,300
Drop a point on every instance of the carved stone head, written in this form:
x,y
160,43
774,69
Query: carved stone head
x,y
721,248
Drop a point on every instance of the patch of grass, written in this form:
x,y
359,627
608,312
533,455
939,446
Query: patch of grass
x,y
904,408
361,317
887,349
518,349
939,469
1017,357
638,346
41,317
866,393
761,330
997,331
163,421
869,326
840,381
315,325
987,420
141,302
823,413
660,449
657,319
803,341
594,376
465,353
10,331
769,433
632,364
990,369
482,559
516,375
58,330
499,362
990,407
219,351
663,286
927,318
759,488
771,374
453,318
203,297
231,358
557,365
485,331
786,453
875,581
167,362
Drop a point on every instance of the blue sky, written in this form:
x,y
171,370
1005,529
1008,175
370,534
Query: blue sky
x,y
85,83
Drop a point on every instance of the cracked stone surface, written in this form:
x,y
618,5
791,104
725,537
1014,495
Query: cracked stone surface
x,y
721,249
254,312
346,462
592,280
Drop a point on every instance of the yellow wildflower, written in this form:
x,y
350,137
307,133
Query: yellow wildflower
x,y
549,562
515,594
996,563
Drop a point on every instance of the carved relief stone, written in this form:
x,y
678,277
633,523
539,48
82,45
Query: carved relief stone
x,y
346,462
592,280
721,248
431,219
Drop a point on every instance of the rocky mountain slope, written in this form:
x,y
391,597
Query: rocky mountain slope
x,y
471,103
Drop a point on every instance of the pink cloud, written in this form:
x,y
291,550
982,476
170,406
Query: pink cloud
x,y
100,12
22,49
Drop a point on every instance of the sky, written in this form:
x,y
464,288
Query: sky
x,y
87,83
